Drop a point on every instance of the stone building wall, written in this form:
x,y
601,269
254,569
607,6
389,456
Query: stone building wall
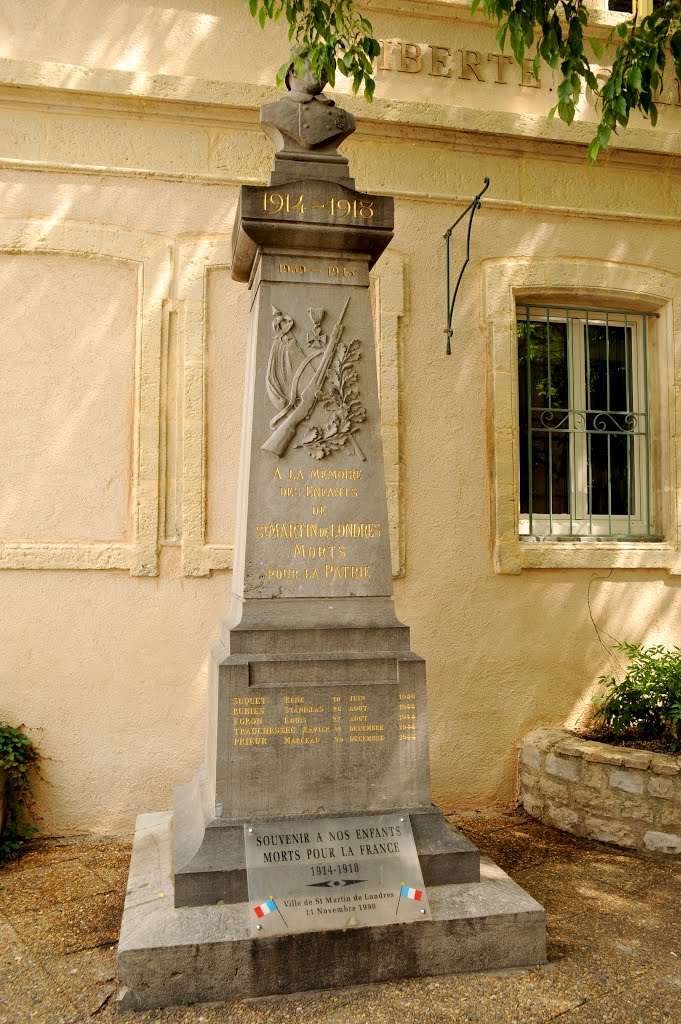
x,y
126,130
613,794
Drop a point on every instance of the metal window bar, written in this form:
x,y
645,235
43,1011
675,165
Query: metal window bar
x,y
644,342
628,392
572,469
583,427
528,365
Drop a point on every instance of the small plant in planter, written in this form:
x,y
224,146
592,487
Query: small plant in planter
x,y
18,763
646,704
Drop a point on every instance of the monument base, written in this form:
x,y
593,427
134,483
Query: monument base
x,y
170,955
210,859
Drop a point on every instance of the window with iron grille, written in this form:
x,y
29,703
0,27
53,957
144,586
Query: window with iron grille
x,y
584,430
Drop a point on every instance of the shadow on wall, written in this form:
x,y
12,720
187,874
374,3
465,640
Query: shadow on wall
x,y
201,39
515,651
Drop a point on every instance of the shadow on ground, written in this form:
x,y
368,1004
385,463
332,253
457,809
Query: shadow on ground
x,y
613,925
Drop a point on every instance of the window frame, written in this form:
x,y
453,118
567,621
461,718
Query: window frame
x,y
579,521
511,282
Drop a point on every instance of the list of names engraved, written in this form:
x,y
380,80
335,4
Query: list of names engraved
x,y
330,718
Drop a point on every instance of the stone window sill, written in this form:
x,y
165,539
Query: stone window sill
x,y
512,556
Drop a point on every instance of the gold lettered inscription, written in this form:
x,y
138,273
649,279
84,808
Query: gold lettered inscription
x,y
327,719
284,204
502,61
470,65
361,729
333,270
247,721
278,202
439,65
527,79
476,67
409,58
407,716
292,268
316,549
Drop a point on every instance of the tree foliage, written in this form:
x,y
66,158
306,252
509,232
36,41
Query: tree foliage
x,y
555,33
333,36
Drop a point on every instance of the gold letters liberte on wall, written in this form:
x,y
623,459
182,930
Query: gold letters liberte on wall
x,y
475,66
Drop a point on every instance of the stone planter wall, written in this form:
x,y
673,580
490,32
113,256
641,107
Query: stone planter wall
x,y
613,794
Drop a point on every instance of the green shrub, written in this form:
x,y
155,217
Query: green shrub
x,y
647,701
19,758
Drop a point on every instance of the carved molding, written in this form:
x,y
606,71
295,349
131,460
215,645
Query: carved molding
x,y
186,317
196,258
390,289
150,257
195,106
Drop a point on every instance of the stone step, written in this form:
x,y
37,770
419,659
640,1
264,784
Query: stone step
x,y
170,955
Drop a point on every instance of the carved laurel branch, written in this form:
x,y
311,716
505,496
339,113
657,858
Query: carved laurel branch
x,y
340,398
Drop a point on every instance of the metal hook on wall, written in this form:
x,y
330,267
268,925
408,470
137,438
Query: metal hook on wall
x,y
474,205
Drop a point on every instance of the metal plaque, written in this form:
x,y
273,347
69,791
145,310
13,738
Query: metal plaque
x,y
333,873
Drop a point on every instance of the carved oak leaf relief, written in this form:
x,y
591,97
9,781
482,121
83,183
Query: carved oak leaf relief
x,y
313,383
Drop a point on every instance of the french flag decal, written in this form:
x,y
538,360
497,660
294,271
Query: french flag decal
x,y
410,894
265,908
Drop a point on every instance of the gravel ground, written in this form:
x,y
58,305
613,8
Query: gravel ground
x,y
613,921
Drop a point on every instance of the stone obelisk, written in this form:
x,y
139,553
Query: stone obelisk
x,y
316,703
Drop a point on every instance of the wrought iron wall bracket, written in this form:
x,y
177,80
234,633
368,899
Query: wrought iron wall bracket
x,y
474,205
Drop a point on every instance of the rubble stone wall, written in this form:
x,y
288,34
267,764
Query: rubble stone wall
x,y
619,795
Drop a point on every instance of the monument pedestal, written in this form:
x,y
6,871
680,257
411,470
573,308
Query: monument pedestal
x,y
314,800
210,861
323,749
170,955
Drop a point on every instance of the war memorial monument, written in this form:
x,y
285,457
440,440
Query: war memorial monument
x,y
306,852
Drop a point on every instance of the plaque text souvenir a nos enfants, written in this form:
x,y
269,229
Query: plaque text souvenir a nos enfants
x,y
331,873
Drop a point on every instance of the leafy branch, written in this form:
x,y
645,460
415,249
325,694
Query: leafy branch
x,y
329,34
638,69
647,701
554,31
341,399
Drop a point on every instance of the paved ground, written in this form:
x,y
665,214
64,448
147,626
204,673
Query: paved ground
x,y
614,943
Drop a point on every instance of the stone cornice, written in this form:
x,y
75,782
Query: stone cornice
x,y
228,104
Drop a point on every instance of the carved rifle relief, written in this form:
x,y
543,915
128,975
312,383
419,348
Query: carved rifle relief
x,y
321,384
